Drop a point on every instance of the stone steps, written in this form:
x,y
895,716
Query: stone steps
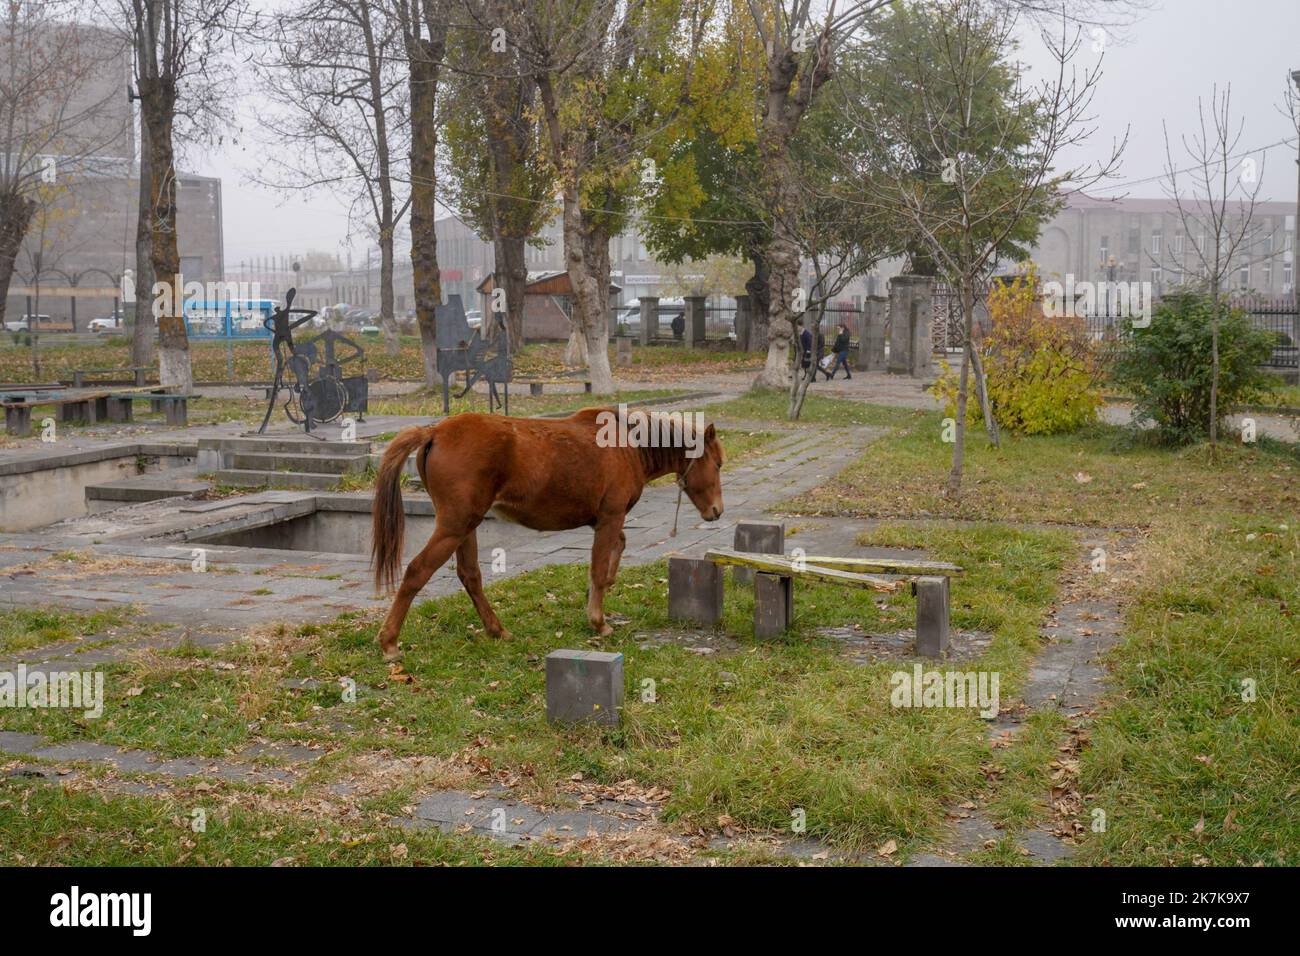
x,y
310,464
257,478
286,446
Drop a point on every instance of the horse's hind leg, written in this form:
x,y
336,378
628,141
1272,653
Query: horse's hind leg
x,y
471,576
430,559
606,547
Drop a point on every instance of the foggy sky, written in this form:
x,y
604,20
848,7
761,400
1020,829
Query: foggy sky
x,y
1156,71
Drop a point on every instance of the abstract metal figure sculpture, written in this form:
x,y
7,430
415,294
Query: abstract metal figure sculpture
x,y
313,400
461,349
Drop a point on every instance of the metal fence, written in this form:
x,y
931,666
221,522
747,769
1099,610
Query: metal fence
x,y
1273,314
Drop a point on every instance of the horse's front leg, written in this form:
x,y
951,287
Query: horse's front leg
x,y
607,543
471,577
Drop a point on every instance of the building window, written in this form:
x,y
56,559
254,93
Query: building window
x,y
1287,272
1105,249
1243,276
1176,244
1155,243
1156,276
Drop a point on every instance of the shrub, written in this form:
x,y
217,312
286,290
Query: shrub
x,y
1167,367
1042,372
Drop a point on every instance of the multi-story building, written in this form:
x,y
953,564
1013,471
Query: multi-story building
x,y
1144,240
79,245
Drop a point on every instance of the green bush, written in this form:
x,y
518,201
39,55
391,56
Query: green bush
x,y
1167,366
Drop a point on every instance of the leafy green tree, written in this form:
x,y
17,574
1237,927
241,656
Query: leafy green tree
x,y
1168,366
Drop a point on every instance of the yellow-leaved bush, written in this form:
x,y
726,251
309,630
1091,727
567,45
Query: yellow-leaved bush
x,y
1043,371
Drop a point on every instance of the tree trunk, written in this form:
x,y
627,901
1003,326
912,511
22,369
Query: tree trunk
x,y
158,102
387,320
16,214
953,489
588,269
982,393
760,297
783,262
1214,374
142,333
425,57
512,277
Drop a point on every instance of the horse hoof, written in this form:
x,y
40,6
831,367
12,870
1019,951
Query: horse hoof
x,y
604,630
393,656
503,634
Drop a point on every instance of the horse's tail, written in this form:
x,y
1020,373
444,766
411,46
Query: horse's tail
x,y
388,517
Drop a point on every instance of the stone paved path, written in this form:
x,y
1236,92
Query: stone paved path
x,y
1066,675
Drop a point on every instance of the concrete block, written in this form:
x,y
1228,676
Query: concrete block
x,y
584,686
933,610
695,589
18,420
757,537
773,604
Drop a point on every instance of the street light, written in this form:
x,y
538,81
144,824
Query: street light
x,y
1295,243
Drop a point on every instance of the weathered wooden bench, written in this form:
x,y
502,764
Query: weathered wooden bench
x,y
137,374
90,406
696,588
174,405
535,385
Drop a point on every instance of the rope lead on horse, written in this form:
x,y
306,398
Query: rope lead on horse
x,y
681,486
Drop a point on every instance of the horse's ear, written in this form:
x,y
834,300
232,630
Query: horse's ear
x,y
709,434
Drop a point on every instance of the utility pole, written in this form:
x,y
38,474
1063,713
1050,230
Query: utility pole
x,y
1295,242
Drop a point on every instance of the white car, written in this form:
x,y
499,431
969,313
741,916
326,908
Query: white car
x,y
104,325
20,325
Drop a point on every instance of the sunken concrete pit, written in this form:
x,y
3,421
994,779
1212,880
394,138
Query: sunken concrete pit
x,y
325,523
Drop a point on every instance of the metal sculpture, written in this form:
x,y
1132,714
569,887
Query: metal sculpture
x,y
320,398
462,349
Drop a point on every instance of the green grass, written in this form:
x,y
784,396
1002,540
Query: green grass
x,y
25,629
753,735
1186,770
1103,476
46,825
772,405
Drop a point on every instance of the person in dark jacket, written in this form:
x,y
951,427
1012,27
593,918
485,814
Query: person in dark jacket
x,y
678,325
805,347
841,351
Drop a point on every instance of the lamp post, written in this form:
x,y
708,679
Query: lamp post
x,y
1112,267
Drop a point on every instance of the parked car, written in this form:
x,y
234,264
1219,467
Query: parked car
x,y
25,323
104,323
474,318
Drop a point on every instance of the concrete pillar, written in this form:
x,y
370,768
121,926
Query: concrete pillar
x,y
900,329
910,320
757,537
649,318
584,687
744,323
695,589
773,604
694,320
933,608
623,353
923,330
871,334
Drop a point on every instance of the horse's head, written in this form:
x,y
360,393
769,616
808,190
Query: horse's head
x,y
701,479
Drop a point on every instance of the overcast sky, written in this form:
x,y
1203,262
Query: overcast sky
x,y
1176,52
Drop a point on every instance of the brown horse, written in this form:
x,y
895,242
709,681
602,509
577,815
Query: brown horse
x,y
545,474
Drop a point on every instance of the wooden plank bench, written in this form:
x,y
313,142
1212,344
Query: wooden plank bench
x,y
137,374
535,385
174,405
695,588
88,405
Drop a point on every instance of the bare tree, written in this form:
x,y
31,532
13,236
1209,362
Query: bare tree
x,y
179,78
802,48
999,164
341,123
611,75
422,25
54,124
1217,212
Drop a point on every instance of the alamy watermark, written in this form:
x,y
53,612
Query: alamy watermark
x,y
651,430
39,690
951,689
165,293
1121,300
